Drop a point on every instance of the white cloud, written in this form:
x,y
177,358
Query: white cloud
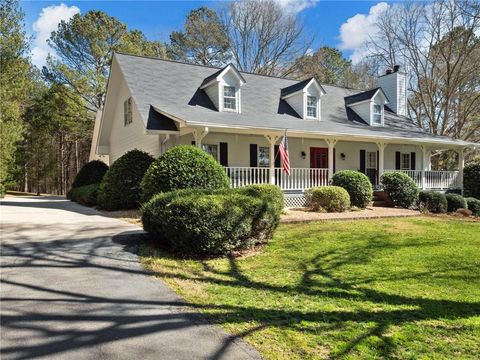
x,y
47,22
296,6
355,32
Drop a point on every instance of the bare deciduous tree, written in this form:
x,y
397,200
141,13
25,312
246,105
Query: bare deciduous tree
x,y
264,39
439,46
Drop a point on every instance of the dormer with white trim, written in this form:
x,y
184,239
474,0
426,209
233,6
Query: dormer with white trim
x,y
369,105
304,98
223,88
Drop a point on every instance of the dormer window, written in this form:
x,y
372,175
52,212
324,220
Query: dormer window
x,y
377,114
229,98
312,106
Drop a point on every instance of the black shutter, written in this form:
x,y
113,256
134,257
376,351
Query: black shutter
x,y
223,154
397,160
193,143
412,161
362,161
253,155
277,158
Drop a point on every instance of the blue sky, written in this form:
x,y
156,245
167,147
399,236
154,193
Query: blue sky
x,y
157,19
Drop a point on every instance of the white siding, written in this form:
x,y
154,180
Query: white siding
x,y
395,87
239,150
133,136
363,110
212,92
297,102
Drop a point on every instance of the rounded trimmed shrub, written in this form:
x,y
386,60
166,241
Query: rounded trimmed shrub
x,y
212,222
85,195
182,167
203,224
357,185
91,173
328,198
473,205
400,188
268,218
471,180
434,202
455,202
120,187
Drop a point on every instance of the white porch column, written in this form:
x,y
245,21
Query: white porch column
x,y
381,158
425,164
198,135
331,146
461,164
272,139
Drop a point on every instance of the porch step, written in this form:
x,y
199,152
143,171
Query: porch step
x,y
381,199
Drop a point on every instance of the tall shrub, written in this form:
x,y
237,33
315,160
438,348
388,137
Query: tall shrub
x,y
357,185
433,201
91,173
400,188
471,180
182,167
120,188
455,202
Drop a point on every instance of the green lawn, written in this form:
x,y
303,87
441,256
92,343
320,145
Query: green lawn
x,y
390,288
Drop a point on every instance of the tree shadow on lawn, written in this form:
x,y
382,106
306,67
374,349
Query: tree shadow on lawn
x,y
383,310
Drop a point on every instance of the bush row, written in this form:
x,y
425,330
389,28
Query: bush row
x,y
85,195
213,222
436,202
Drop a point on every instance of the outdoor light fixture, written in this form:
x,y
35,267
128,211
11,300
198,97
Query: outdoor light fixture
x,y
343,156
303,154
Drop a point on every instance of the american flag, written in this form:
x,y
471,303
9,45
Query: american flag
x,y
283,150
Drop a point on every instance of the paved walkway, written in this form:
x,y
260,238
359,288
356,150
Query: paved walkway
x,y
72,288
306,215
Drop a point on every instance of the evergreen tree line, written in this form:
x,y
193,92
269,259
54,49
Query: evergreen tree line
x,y
47,115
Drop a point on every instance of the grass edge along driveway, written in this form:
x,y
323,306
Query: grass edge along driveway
x,y
401,288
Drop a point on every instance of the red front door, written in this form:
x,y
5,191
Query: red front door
x,y
318,158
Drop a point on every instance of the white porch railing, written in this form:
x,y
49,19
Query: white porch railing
x,y
299,178
438,180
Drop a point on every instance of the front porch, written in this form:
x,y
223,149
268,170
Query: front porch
x,y
301,179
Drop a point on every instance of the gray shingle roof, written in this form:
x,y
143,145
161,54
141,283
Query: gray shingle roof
x,y
295,87
173,88
366,95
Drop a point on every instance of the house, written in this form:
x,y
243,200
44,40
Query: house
x,y
239,118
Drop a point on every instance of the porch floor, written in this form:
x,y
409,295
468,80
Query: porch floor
x,y
298,215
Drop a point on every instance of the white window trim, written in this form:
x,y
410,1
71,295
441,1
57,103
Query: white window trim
x,y
258,156
222,96
409,161
218,149
372,122
305,107
367,160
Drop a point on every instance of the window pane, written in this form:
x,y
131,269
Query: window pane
x,y
229,91
377,118
263,156
371,160
405,161
211,149
377,109
311,101
229,103
311,106
311,112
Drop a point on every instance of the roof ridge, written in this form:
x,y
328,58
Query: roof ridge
x,y
204,66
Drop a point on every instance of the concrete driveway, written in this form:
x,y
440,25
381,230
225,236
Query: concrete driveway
x,y
72,288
